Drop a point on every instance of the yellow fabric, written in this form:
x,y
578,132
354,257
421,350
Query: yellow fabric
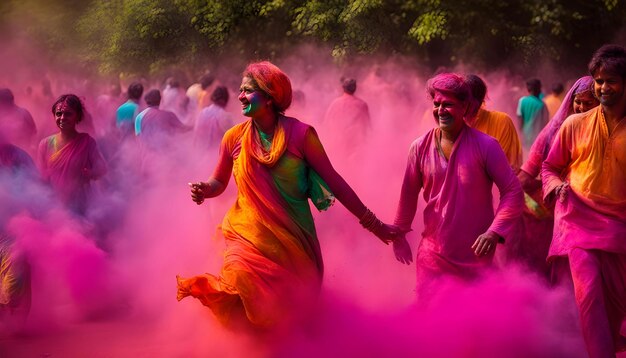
x,y
272,263
8,281
12,283
250,143
598,168
204,99
500,126
552,103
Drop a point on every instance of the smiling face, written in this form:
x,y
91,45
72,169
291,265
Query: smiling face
x,y
253,101
66,117
584,101
448,111
608,87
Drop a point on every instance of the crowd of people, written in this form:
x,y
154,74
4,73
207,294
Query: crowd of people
x,y
559,170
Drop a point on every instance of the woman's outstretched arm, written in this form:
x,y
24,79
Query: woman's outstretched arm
x,y
315,155
217,183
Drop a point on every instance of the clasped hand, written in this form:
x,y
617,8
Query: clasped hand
x,y
560,192
197,192
386,233
529,184
401,247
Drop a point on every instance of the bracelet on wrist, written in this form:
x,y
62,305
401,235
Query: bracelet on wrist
x,y
369,221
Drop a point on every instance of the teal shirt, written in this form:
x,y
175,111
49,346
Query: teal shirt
x,y
126,114
534,115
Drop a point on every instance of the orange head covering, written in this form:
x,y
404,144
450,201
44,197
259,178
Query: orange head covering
x,y
271,80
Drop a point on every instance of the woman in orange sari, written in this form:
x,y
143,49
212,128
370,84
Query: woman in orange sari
x,y
272,264
70,160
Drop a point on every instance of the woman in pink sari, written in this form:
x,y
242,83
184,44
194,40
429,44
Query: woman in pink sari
x,y
273,267
70,160
538,220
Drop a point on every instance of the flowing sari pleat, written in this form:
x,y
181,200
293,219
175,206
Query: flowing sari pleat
x,y
272,263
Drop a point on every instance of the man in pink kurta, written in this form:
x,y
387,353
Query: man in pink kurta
x,y
459,211
585,173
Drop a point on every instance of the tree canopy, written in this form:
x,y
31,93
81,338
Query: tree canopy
x,y
146,36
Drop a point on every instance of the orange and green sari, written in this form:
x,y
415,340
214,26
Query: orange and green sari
x,y
272,262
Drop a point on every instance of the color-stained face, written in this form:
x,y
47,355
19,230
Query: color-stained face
x,y
448,111
253,101
65,117
608,87
584,101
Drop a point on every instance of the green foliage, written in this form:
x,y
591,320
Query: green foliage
x,y
610,4
147,36
51,23
317,18
136,36
429,26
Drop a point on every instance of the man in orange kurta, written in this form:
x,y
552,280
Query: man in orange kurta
x,y
499,126
586,171
496,124
554,99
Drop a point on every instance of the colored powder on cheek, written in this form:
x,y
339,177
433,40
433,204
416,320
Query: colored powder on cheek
x,y
255,100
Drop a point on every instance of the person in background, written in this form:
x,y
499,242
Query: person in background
x,y
175,100
69,160
155,127
207,84
496,124
213,121
538,218
554,98
106,106
17,171
532,113
16,123
584,175
348,117
126,113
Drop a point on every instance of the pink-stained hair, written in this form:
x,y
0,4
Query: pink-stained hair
x,y
271,80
